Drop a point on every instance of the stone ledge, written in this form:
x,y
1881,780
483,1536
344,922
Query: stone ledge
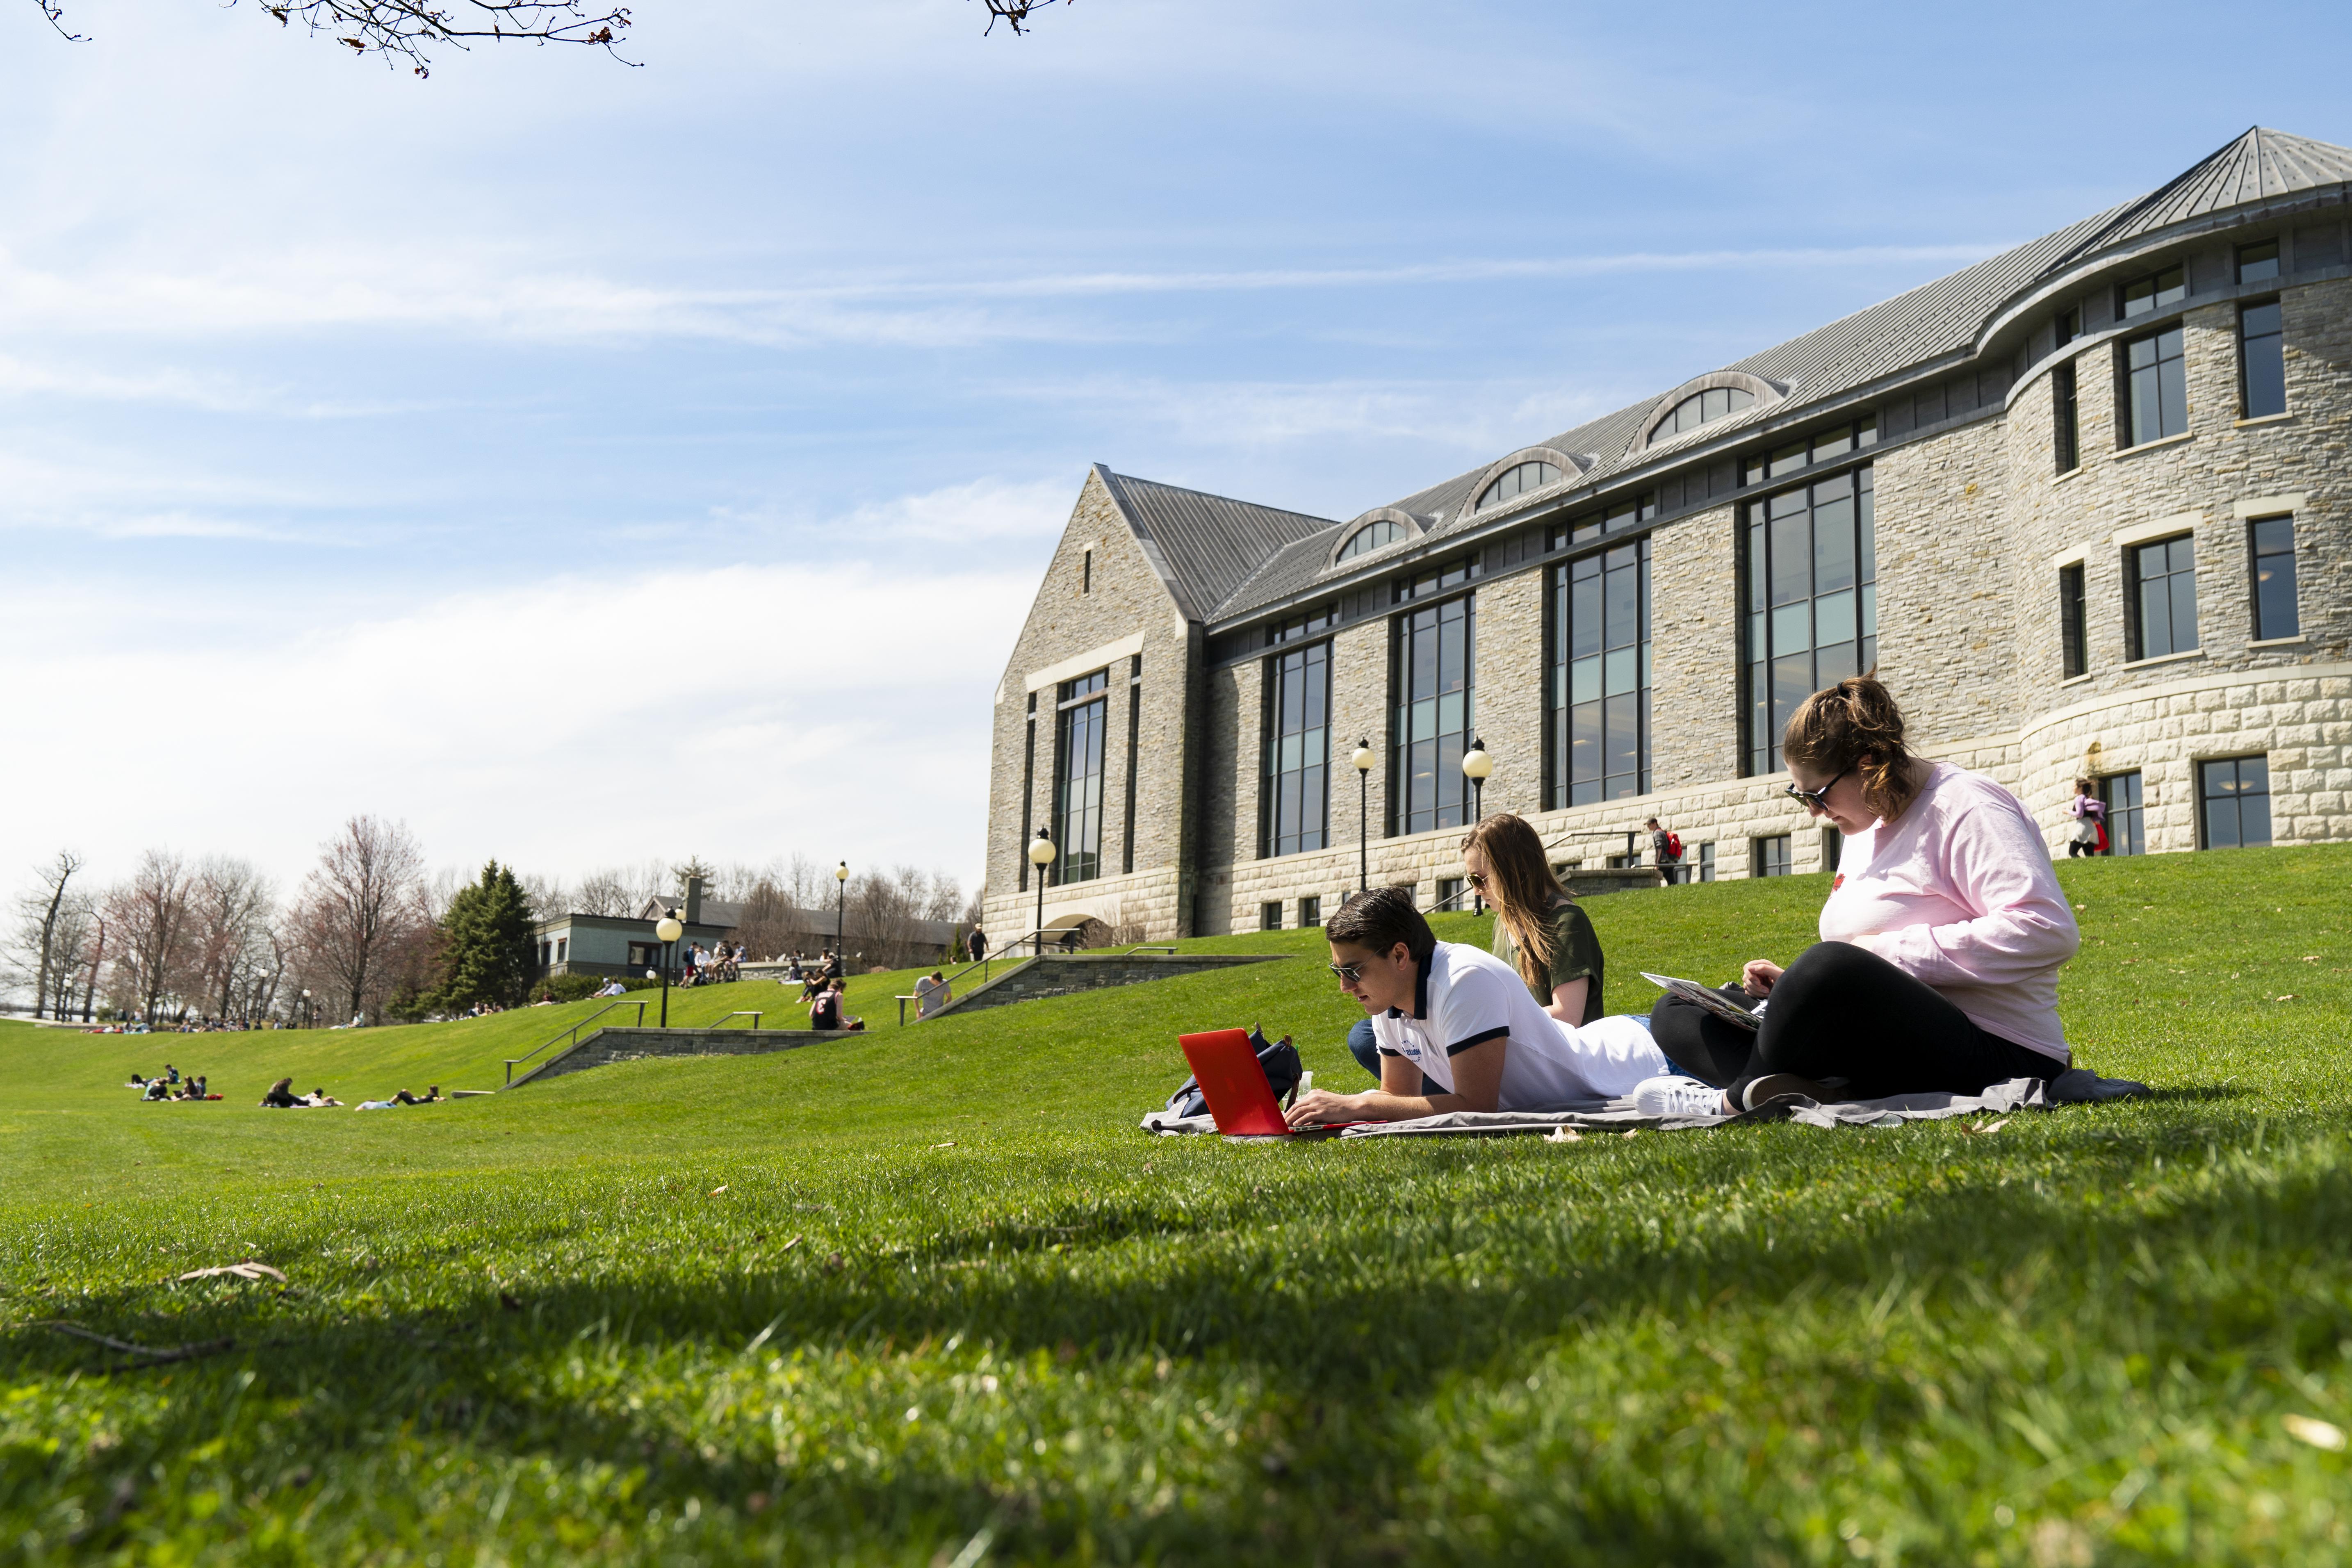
x,y
606,1047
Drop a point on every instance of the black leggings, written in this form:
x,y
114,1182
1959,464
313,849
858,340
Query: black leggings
x,y
1840,1012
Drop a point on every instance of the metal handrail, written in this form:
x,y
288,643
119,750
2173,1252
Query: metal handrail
x,y
572,1033
741,1013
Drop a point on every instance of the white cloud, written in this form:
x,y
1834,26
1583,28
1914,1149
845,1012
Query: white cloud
x,y
738,712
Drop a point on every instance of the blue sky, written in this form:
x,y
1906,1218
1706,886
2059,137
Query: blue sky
x,y
586,463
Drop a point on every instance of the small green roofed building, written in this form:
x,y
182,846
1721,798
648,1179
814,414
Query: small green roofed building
x,y
618,945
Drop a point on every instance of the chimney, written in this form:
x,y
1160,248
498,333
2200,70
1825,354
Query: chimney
x,y
693,915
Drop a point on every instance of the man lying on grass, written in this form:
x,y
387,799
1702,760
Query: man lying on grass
x,y
1466,1019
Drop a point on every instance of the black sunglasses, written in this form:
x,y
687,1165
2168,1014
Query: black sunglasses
x,y
1348,973
1815,799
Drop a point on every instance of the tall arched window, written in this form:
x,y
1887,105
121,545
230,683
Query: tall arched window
x,y
1704,408
1517,480
1370,537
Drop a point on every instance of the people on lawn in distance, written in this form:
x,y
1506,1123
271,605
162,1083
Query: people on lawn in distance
x,y
1458,1029
1540,930
1938,967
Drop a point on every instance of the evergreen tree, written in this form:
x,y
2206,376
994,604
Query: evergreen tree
x,y
488,947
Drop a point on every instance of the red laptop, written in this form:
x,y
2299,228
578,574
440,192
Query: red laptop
x,y
1239,1100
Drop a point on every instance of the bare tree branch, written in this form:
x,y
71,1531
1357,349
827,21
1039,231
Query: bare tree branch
x,y
405,29
1015,12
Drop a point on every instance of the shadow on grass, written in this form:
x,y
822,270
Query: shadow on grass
x,y
1378,1301
2197,1094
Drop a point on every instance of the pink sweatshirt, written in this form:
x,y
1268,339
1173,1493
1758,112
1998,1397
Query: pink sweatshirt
x,y
1960,893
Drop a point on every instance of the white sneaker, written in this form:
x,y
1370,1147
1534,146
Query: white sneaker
x,y
1677,1097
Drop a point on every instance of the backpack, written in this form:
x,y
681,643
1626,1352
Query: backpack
x,y
1279,1061
1674,846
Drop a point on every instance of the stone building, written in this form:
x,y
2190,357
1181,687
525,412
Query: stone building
x,y
2086,507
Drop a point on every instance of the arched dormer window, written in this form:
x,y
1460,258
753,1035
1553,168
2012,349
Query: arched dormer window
x,y
1516,480
1704,408
1368,538
1718,395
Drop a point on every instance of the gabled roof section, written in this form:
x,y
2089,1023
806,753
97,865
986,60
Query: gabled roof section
x,y
1206,545
2260,165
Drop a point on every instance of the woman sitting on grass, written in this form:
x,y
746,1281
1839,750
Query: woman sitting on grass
x,y
1458,1030
1938,967
1540,930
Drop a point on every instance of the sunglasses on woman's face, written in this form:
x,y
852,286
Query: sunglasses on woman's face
x,y
1816,801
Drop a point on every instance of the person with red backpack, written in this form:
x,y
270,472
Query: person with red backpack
x,y
1668,850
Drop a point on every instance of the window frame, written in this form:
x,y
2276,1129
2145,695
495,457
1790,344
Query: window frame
x,y
1735,400
1310,912
2074,628
2136,643
1847,438
2244,255
2255,556
1761,719
2128,385
1313,772
2121,813
2065,418
1350,549
1491,493
1763,860
1563,589
1706,860
1418,600
1269,915
2161,298
2206,800
1081,861
2276,351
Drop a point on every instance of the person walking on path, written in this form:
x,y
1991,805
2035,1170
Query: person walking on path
x,y
978,944
1666,849
2090,814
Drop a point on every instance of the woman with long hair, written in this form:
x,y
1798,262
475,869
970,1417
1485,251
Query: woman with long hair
x,y
1938,967
1540,930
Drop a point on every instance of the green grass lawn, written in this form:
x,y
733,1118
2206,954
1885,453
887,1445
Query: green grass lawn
x,y
929,1297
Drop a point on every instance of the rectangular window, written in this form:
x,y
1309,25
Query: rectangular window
x,y
2233,801
1599,707
1593,524
2146,296
1706,862
644,954
2272,540
2065,327
2075,646
2066,419
1832,846
563,948
1770,857
1086,572
2156,387
1432,682
2262,363
2126,823
2258,263
1444,580
1079,779
1134,753
1827,445
1294,794
1269,916
1297,628
1028,792
2160,587
1449,892
1812,600
1310,913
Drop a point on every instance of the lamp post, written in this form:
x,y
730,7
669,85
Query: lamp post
x,y
1475,765
670,931
1363,759
841,915
1041,855
306,1009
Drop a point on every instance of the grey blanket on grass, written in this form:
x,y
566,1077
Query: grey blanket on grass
x,y
2075,1086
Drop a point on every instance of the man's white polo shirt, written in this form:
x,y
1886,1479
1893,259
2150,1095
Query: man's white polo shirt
x,y
1466,995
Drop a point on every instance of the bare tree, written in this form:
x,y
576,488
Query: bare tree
x,y
34,952
359,902
148,916
229,908
548,896
405,29
607,892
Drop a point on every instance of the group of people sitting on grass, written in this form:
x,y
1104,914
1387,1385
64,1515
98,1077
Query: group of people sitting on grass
x,y
712,965
169,1085
1937,971
281,1097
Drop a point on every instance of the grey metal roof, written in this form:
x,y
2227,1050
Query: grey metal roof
x,y
1937,321
1211,543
